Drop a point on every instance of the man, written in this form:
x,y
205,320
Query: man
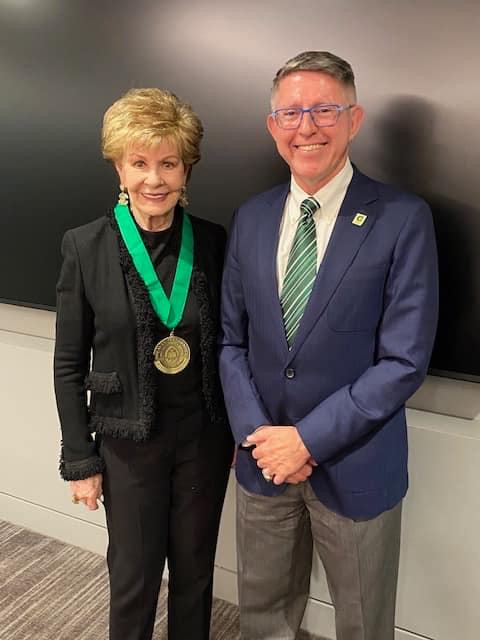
x,y
329,314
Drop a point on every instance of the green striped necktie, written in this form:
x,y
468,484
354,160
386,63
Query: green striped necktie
x,y
301,270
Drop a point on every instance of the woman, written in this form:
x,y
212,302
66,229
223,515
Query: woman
x,y
136,326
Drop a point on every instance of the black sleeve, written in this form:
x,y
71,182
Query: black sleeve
x,y
74,331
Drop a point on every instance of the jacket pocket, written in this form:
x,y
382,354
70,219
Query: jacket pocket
x,y
105,393
357,304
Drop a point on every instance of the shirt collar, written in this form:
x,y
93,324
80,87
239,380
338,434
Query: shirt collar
x,y
326,196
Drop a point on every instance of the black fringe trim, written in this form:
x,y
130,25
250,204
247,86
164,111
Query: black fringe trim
x,y
103,382
80,469
120,428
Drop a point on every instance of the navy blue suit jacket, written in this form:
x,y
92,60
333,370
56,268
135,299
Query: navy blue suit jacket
x,y
361,350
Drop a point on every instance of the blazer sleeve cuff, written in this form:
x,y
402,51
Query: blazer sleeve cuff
x,y
81,469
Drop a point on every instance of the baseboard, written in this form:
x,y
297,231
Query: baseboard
x,y
49,522
225,584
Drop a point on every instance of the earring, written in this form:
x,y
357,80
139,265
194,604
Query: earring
x,y
123,196
183,200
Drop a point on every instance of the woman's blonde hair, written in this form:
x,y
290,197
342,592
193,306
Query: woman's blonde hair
x,y
145,117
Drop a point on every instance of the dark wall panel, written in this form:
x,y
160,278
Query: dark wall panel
x,y
63,63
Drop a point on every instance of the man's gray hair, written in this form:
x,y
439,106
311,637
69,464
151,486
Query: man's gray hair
x,y
322,61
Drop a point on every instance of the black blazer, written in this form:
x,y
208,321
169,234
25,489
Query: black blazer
x,y
105,337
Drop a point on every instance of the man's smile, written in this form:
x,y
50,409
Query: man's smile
x,y
310,147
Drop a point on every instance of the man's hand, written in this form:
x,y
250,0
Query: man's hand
x,y
301,475
87,491
279,452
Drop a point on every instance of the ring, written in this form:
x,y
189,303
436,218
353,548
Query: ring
x,y
75,500
267,476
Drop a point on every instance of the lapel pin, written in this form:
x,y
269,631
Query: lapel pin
x,y
359,219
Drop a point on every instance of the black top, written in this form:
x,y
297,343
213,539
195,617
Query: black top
x,y
178,396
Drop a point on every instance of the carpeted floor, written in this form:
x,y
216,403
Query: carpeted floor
x,y
53,591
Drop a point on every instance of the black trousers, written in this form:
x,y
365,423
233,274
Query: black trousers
x,y
163,500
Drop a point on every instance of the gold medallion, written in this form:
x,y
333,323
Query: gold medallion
x,y
171,355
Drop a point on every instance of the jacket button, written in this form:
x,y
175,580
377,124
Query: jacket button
x,y
290,373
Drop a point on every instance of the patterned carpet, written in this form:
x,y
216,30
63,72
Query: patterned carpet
x,y
53,591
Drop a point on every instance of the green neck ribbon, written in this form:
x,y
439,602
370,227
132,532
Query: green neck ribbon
x,y
170,311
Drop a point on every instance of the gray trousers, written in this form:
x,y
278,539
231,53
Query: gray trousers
x,y
275,539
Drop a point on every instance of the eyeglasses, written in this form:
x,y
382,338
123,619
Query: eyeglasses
x,y
323,115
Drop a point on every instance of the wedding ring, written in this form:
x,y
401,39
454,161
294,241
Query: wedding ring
x,y
267,476
75,500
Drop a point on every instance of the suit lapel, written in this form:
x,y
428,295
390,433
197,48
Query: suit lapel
x,y
343,246
268,235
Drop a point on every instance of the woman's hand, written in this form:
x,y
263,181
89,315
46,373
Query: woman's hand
x,y
87,491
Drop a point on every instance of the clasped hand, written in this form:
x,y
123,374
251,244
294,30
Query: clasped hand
x,y
280,452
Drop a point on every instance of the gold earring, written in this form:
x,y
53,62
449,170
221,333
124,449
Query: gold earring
x,y
123,196
183,200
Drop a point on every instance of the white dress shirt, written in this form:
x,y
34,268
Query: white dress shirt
x,y
330,198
